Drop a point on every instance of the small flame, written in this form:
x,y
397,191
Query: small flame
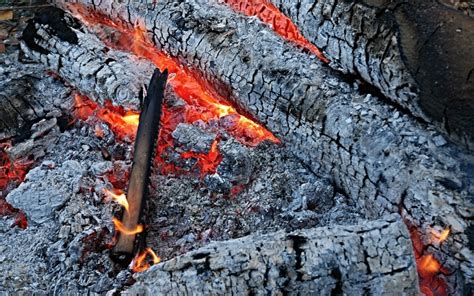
x,y
428,264
123,123
439,237
122,229
118,196
140,263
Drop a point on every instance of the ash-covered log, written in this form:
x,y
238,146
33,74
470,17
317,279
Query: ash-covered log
x,y
404,48
84,61
376,152
361,259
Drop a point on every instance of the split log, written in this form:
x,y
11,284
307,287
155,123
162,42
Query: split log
x,y
348,260
377,153
84,61
399,46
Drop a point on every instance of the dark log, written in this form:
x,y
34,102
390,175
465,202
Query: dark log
x,y
399,47
145,145
364,259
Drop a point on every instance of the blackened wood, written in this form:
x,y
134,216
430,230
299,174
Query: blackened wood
x,y
85,62
145,143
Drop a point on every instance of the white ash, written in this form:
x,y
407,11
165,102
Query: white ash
x,y
193,138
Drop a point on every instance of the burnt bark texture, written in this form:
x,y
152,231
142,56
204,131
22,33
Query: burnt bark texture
x,y
361,259
82,60
376,152
404,48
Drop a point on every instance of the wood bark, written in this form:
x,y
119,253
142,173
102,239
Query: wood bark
x,y
404,48
376,153
350,260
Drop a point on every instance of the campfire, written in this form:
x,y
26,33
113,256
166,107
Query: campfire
x,y
235,146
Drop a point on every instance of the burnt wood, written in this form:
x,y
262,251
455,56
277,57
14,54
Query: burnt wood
x,y
369,258
145,143
418,53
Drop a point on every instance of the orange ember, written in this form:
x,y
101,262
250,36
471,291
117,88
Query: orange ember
x,y
122,229
280,23
11,174
203,102
123,123
145,260
430,270
118,196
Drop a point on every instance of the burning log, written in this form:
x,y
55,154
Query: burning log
x,y
366,258
376,152
145,145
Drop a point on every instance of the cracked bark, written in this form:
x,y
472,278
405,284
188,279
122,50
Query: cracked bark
x,y
361,259
378,155
401,47
87,64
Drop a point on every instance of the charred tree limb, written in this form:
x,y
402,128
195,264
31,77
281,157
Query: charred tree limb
x,y
362,259
145,145
381,157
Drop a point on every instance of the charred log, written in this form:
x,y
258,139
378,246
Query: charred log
x,y
402,48
85,62
361,259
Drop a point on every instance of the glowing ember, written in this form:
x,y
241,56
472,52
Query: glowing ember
x,y
122,229
280,23
11,174
140,262
123,123
118,196
430,270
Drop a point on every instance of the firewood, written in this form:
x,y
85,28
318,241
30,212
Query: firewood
x,y
86,63
361,259
402,48
376,152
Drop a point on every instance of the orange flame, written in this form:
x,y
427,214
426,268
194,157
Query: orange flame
x,y
118,196
428,264
140,263
430,270
122,229
439,237
280,23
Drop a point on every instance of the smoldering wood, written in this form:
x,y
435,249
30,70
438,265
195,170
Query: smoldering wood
x,y
87,64
361,259
402,48
377,153
145,145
